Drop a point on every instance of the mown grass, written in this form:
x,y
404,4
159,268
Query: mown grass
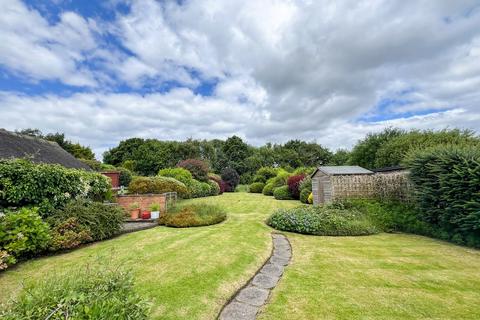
x,y
385,276
186,273
190,273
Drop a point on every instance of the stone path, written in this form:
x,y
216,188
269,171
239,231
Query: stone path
x,y
247,301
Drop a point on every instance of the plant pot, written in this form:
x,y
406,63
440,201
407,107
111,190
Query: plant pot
x,y
155,214
134,214
145,214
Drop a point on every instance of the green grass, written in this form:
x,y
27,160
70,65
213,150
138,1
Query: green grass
x,y
190,273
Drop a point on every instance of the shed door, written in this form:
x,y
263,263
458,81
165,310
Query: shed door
x,y
317,190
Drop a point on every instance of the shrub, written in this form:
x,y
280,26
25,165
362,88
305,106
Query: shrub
x,y
280,179
265,173
23,233
214,188
47,186
221,184
322,221
102,220
181,174
194,215
231,178
306,184
199,189
446,181
268,189
282,193
88,292
293,184
246,178
198,168
304,195
257,187
310,198
69,234
125,176
305,171
6,260
144,185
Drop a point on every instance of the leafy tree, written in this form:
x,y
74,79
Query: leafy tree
x,y
234,153
340,157
123,152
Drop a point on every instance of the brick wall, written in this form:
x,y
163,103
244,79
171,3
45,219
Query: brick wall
x,y
143,200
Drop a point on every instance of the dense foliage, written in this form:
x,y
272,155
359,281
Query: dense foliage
x,y
218,180
231,178
47,186
145,185
256,187
264,174
101,220
323,221
194,215
198,168
23,233
282,193
304,195
293,184
181,174
95,291
268,189
447,190
68,234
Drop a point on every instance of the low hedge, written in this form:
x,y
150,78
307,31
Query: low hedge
x,y
323,221
256,187
268,189
103,221
181,174
47,186
144,185
282,193
95,291
194,215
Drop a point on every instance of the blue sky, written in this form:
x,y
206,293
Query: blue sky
x,y
271,70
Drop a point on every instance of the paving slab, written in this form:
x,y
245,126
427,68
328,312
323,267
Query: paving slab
x,y
272,270
239,311
253,296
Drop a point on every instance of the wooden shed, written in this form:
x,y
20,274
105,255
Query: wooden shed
x,y
339,182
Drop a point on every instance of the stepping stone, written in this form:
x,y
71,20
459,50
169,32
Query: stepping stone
x,y
272,270
282,246
265,281
238,311
279,261
253,296
280,242
282,254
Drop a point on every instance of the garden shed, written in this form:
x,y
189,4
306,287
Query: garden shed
x,y
339,182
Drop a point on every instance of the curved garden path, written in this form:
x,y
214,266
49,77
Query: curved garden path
x,y
248,300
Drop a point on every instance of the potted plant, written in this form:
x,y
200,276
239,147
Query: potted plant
x,y
155,210
145,214
134,211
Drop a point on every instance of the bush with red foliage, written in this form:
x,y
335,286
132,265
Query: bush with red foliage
x,y
198,168
231,178
220,183
293,183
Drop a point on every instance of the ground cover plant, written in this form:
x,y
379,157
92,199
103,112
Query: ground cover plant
x,y
193,215
323,220
97,291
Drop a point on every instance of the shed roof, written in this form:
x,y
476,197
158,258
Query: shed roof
x,y
342,170
14,145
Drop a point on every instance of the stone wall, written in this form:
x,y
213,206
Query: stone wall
x,y
143,200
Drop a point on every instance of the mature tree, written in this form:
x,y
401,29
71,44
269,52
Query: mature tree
x,y
123,152
341,157
235,151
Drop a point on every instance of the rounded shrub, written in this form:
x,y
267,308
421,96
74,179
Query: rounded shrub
x,y
125,176
282,193
141,185
103,221
293,184
69,234
198,168
306,184
256,187
194,215
304,195
199,189
181,174
268,189
145,185
265,173
95,291
214,188
231,178
221,184
310,198
324,221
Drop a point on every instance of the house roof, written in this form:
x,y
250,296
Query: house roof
x,y
14,146
342,170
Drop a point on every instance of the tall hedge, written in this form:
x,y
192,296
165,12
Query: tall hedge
x,y
447,190
48,186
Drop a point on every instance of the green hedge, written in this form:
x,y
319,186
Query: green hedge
x,y
181,174
324,221
256,187
144,185
194,215
23,183
268,189
282,193
447,190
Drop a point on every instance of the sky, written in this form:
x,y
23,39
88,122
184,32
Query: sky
x,y
266,70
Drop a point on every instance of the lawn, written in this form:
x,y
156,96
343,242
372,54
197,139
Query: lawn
x,y
191,273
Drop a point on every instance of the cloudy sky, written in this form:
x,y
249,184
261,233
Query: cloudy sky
x,y
267,70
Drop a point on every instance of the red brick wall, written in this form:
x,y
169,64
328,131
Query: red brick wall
x,y
143,200
114,177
